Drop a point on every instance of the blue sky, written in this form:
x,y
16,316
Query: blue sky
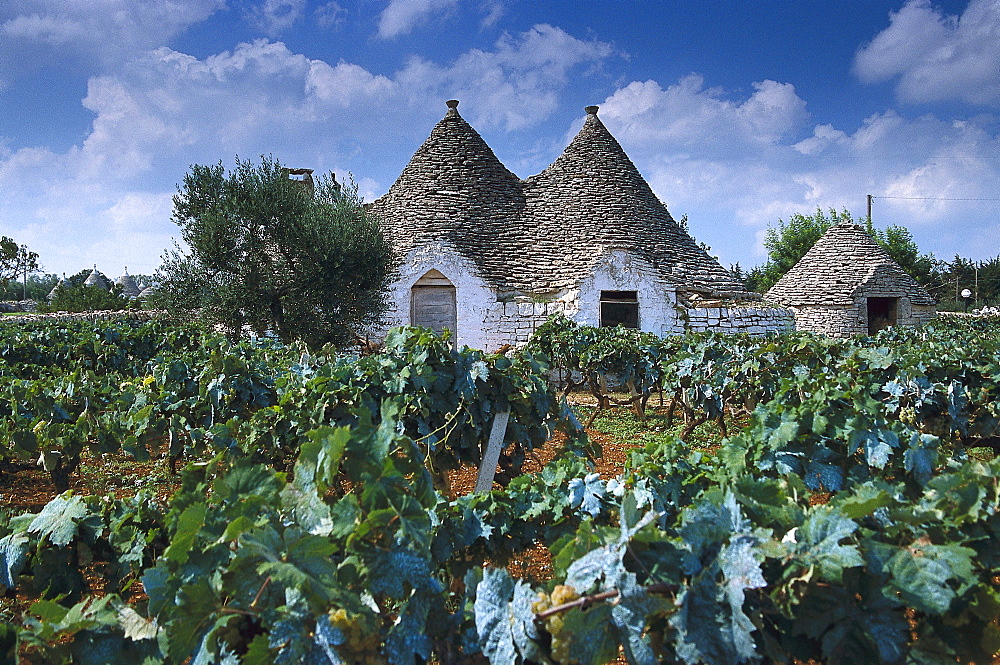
x,y
737,113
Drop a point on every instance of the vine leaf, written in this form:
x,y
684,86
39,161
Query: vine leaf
x,y
741,570
188,524
921,574
586,493
504,620
59,518
13,556
818,543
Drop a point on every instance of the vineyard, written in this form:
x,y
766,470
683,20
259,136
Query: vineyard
x,y
845,511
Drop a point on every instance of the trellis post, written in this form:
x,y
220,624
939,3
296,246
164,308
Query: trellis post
x,y
488,467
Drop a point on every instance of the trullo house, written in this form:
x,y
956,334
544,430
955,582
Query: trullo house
x,y
847,285
490,256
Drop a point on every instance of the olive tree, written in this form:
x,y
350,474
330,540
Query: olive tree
x,y
265,253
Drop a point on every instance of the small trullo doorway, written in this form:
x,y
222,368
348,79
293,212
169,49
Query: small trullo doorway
x,y
432,303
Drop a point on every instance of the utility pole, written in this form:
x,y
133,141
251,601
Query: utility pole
x,y
870,197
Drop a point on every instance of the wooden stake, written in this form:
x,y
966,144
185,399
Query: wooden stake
x,y
488,467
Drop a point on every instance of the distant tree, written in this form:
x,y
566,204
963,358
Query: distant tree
x,y
788,242
142,281
36,287
16,261
898,243
273,255
85,299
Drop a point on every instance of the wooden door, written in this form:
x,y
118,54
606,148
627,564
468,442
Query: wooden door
x,y
432,303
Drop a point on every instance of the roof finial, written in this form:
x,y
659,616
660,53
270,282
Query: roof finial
x,y
452,107
591,110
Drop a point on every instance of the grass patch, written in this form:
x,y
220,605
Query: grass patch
x,y
622,426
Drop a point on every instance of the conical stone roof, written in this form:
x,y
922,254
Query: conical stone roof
x,y
594,198
96,278
454,189
545,233
839,267
63,283
128,286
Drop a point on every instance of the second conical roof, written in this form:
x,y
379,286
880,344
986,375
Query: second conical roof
x,y
593,196
843,260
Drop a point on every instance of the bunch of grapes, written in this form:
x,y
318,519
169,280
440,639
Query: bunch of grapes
x,y
362,638
562,594
908,416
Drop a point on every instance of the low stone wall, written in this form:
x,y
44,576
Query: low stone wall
x,y
749,319
515,321
849,320
99,315
18,306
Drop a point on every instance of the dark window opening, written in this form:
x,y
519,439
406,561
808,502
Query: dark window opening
x,y
881,314
619,308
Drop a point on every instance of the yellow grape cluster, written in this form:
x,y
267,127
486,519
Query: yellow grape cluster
x,y
562,594
362,635
908,415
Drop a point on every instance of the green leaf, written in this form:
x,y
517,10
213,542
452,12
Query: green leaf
x,y
818,543
921,574
59,518
397,572
191,520
921,456
504,620
238,527
8,644
591,643
13,557
740,563
258,652
862,500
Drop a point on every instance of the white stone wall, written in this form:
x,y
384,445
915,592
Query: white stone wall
x,y
850,320
473,298
487,320
620,271
755,320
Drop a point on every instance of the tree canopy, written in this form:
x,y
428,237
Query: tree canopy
x,y
273,255
15,260
788,242
80,298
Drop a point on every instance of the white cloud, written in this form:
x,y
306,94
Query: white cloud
x,y
101,29
274,17
513,86
329,15
167,110
733,163
938,57
402,16
700,121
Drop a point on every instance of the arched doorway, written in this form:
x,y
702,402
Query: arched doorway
x,y
432,303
